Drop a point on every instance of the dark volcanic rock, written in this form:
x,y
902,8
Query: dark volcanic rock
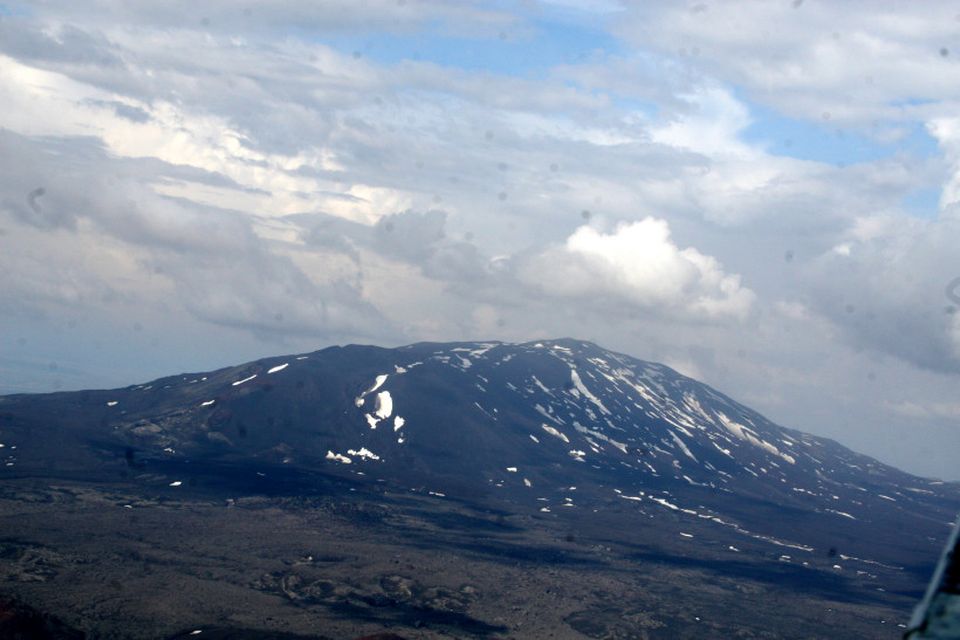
x,y
19,621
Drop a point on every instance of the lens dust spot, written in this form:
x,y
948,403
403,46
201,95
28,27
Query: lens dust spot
x,y
953,291
33,198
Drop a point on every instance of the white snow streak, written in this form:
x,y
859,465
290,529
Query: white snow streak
x,y
338,457
239,382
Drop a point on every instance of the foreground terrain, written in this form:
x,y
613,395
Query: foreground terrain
x,y
116,563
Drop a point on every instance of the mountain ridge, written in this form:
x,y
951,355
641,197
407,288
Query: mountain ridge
x,y
538,417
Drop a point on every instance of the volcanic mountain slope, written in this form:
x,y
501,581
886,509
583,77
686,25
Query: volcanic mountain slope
x,y
547,426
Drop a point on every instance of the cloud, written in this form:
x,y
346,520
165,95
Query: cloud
x,y
97,235
887,290
276,16
943,410
853,62
638,265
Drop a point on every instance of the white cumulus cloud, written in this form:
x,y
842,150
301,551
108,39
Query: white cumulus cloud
x,y
638,263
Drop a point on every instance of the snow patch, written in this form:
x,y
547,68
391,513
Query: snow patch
x,y
239,382
841,513
600,436
665,503
377,383
745,434
539,384
578,383
683,446
363,453
384,405
555,433
279,367
338,457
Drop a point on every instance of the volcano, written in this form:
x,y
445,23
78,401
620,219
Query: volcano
x,y
561,435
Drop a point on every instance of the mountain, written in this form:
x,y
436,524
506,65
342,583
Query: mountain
x,y
562,432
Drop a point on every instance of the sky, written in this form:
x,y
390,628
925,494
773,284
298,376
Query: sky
x,y
764,195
